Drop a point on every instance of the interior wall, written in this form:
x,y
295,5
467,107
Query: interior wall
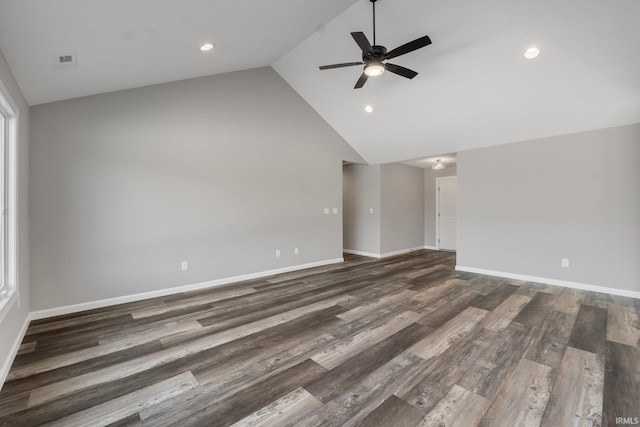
x,y
402,208
430,203
525,206
218,171
361,195
14,316
383,208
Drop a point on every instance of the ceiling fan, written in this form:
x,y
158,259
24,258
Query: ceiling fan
x,y
374,56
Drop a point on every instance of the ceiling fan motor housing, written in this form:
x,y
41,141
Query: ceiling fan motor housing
x,y
378,53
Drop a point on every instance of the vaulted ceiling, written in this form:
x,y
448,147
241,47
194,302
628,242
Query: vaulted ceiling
x,y
122,44
474,87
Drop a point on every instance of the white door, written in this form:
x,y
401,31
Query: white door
x,y
447,206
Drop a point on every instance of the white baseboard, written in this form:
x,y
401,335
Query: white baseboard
x,y
555,282
6,365
432,248
400,252
361,253
384,255
58,311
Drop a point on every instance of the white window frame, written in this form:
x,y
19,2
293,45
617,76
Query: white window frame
x,y
8,169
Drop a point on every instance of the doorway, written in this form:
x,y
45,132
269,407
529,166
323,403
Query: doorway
x,y
446,209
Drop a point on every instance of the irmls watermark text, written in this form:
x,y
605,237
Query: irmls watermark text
x,y
627,420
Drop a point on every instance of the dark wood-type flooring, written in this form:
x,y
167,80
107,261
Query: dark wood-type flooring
x,y
403,341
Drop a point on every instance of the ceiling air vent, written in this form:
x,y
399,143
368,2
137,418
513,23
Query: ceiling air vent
x,y
65,61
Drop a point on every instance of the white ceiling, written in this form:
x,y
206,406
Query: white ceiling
x,y
474,88
121,44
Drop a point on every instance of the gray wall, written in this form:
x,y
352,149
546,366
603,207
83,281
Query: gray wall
x,y
218,171
361,192
402,208
525,206
15,315
396,194
430,213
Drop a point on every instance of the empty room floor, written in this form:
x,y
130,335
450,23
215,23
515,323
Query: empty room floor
x,y
402,341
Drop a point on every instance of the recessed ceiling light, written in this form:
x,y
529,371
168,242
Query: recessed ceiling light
x,y
532,52
206,47
368,109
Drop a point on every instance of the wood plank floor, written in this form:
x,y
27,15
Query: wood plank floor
x,y
404,341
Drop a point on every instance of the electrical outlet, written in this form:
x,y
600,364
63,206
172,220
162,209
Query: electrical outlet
x,y
565,262
326,211
277,253
295,251
185,265
335,211
370,211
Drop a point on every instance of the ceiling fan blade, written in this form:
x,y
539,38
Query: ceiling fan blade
x,y
363,42
345,64
409,47
361,81
401,71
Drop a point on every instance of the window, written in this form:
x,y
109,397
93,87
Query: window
x,y
8,119
3,282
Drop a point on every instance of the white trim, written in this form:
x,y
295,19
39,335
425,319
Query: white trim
x,y
384,255
361,253
10,113
41,314
400,252
432,248
6,366
555,282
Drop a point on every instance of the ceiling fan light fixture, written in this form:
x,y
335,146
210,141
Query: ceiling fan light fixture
x,y
374,68
437,165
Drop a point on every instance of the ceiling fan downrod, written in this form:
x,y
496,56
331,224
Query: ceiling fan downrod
x,y
374,21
